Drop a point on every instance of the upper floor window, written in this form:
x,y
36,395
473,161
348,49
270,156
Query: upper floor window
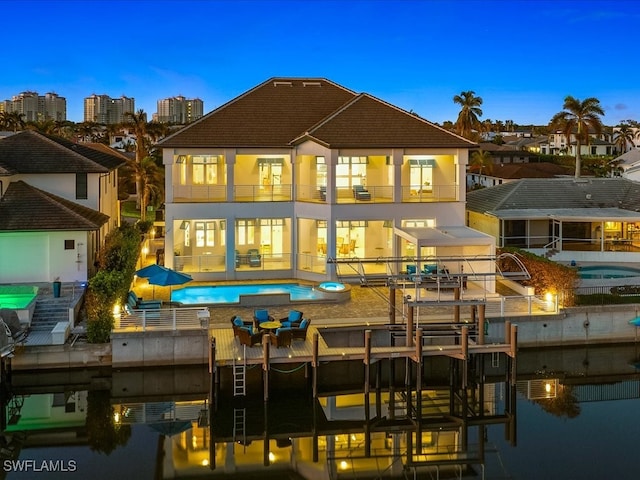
x,y
198,169
81,186
205,234
351,171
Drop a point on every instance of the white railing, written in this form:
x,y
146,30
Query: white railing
x,y
188,318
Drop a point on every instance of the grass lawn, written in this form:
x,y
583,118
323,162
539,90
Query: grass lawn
x,y
128,209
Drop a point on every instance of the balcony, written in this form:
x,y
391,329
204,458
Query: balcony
x,y
430,193
199,193
263,193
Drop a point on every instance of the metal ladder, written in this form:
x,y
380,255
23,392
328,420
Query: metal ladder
x,y
239,423
240,376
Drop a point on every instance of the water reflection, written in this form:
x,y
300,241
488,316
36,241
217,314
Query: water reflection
x,y
460,424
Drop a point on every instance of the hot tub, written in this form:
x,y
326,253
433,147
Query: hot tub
x,y
336,291
21,298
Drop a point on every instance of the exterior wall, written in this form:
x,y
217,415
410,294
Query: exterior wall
x,y
484,223
64,185
41,257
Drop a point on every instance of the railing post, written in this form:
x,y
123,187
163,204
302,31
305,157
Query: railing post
x,y
174,311
502,304
529,303
144,320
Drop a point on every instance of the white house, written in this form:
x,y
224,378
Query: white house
x,y
297,171
58,201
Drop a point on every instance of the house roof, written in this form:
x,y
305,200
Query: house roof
x,y
26,208
33,152
285,111
627,159
566,197
525,170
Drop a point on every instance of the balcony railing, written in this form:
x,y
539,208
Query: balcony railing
x,y
163,319
430,193
216,263
263,193
199,193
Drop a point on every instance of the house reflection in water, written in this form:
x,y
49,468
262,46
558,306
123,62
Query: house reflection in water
x,y
343,434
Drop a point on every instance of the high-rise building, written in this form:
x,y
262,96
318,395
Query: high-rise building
x,y
106,110
179,110
37,108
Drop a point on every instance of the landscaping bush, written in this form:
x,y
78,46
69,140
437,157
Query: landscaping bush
x,y
546,275
116,267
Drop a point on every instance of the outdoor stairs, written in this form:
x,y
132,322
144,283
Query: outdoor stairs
x,y
50,310
551,252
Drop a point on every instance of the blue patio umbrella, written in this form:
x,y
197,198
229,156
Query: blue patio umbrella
x,y
169,278
172,427
150,270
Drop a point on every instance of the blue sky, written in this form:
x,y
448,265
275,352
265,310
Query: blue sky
x,y
521,56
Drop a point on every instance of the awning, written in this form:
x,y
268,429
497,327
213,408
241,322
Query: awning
x,y
425,162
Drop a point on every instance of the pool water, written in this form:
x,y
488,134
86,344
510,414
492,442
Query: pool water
x,y
16,300
231,293
607,271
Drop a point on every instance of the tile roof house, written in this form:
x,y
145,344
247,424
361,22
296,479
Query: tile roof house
x,y
588,220
499,174
58,201
298,171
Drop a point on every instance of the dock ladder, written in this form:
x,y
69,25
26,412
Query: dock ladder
x,y
240,375
239,424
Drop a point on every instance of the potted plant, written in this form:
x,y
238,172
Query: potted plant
x,y
57,286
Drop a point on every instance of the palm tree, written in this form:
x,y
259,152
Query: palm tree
x,y
138,122
578,118
623,137
152,185
12,121
482,159
469,113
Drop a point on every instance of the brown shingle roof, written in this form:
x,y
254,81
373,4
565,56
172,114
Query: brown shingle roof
x,y
269,115
525,170
369,122
32,152
26,208
285,111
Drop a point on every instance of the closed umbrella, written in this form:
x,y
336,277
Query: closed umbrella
x,y
169,278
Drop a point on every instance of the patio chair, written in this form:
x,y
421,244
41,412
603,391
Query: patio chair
x,y
300,333
137,303
248,338
360,192
260,316
322,191
281,338
292,320
237,258
237,323
254,257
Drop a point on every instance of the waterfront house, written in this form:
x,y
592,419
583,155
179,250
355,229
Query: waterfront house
x,y
589,219
58,201
299,170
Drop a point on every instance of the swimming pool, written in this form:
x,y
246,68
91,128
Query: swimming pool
x,y
607,271
21,298
247,293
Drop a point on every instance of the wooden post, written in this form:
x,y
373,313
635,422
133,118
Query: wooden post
x,y
367,361
212,370
392,305
481,323
315,364
410,326
514,349
507,331
456,308
419,363
465,355
265,365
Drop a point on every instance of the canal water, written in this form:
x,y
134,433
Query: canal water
x,y
567,414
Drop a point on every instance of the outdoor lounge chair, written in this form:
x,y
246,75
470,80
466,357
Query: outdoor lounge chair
x,y
360,192
138,304
281,338
292,320
260,316
254,257
323,193
237,323
300,333
248,338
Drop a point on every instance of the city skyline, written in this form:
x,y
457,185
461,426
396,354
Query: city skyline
x,y
521,57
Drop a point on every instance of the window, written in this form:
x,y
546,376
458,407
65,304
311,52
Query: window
x,y
223,232
205,169
205,234
321,172
351,171
246,232
69,244
81,186
421,173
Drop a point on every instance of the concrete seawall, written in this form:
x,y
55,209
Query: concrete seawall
x,y
573,326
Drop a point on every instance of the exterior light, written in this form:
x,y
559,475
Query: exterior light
x,y
205,462
343,465
272,457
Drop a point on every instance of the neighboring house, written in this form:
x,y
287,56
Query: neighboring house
x,y
297,171
599,145
58,201
499,174
589,219
627,165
